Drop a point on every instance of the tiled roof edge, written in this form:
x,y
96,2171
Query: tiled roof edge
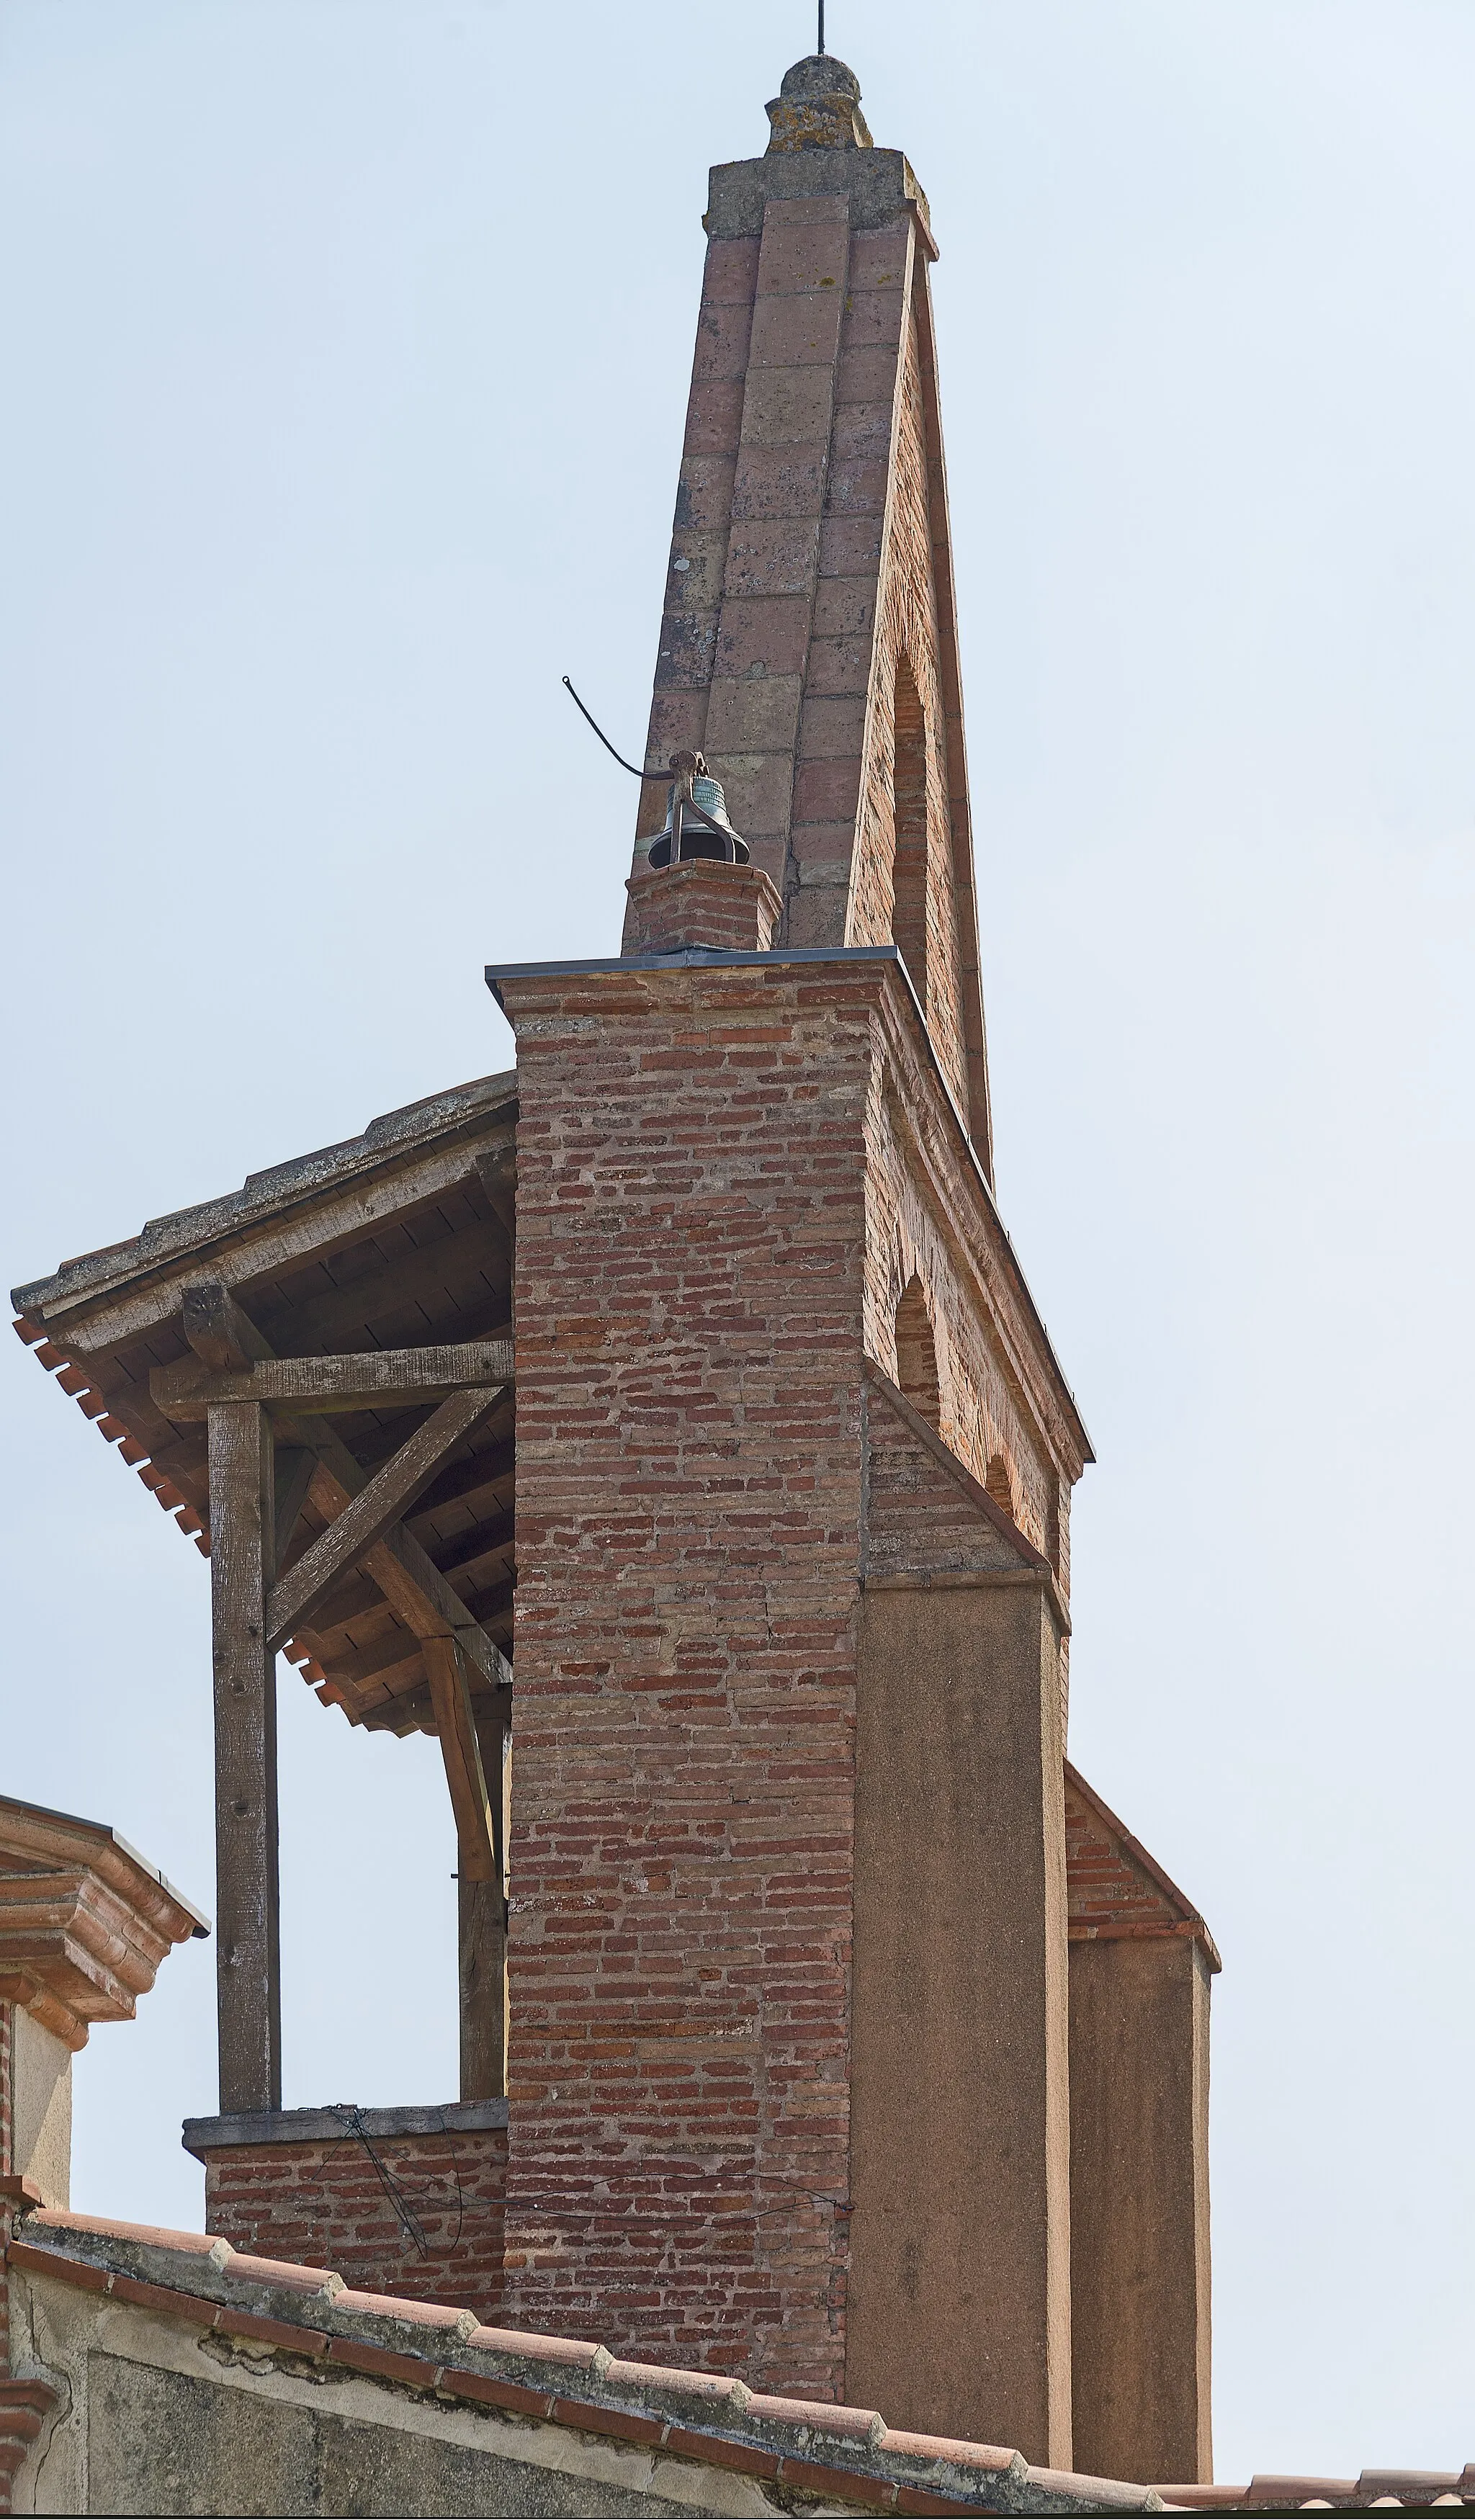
x,y
184,1229
839,2452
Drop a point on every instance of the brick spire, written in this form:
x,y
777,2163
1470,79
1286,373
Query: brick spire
x,y
808,645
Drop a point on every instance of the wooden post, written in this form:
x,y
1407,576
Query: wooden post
x,y
482,1945
248,1946
475,1773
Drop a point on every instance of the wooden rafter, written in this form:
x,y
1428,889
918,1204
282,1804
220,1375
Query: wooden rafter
x,y
366,1518
334,1385
409,1578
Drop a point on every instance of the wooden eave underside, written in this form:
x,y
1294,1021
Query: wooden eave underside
x,y
415,1251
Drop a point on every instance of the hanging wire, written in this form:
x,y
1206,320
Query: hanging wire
x,y
604,739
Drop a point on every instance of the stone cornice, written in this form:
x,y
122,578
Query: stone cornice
x,y
84,1921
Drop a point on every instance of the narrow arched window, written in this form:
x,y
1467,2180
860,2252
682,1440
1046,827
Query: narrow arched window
x,y
908,790
1000,1483
916,1355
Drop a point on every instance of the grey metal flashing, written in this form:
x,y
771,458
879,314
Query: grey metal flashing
x,y
167,1240
710,958
341,2124
684,958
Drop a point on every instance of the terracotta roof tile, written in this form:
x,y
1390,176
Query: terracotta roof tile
x,y
844,2455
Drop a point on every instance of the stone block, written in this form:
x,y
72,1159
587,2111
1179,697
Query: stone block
x,y
850,546
826,791
704,491
832,729
816,911
779,482
879,256
714,415
759,789
801,331
697,585
811,254
776,556
688,647
723,335
840,664
861,429
787,407
867,376
730,276
768,633
857,486
845,609
874,320
753,716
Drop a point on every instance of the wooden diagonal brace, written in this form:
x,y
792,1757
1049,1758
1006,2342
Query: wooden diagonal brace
x,y
367,1516
409,1580
451,1698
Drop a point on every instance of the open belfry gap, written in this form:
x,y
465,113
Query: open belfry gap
x,y
668,1429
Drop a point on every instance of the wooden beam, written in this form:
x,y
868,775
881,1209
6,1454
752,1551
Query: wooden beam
x,y
401,1377
476,1844
248,1945
464,1480
497,1172
481,1920
409,1581
217,1330
296,1465
367,1517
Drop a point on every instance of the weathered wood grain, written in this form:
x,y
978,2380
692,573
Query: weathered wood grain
x,y
367,1516
247,1942
451,1698
251,1247
331,1385
409,1581
296,1465
216,1329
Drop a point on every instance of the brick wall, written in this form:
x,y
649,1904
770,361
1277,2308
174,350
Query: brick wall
x,y
906,675
328,2203
1116,1889
929,1223
704,1156
691,1216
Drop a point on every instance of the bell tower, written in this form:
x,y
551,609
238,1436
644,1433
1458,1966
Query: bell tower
x,y
792,1955
808,646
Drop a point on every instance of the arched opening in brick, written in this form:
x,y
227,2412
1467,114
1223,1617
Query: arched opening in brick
x,y
909,797
998,1478
916,1355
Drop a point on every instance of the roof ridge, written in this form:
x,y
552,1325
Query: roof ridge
x,y
708,2416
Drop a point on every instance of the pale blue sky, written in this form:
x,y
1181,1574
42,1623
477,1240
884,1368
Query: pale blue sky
x,y
346,346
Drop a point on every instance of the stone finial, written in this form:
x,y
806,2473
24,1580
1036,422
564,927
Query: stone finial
x,y
818,107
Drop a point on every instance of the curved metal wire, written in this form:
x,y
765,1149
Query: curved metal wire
x,y
604,739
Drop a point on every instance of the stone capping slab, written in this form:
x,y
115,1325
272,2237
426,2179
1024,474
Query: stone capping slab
x,y
879,183
845,2454
344,2124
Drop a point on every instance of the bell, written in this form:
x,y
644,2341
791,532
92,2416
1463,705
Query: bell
x,y
704,833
